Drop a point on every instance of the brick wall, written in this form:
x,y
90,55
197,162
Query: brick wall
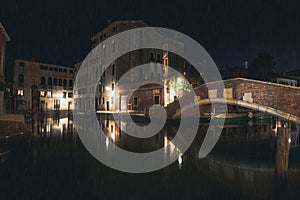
x,y
277,96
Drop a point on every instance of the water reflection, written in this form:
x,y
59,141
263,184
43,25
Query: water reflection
x,y
55,165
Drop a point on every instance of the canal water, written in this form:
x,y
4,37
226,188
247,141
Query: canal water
x,y
55,165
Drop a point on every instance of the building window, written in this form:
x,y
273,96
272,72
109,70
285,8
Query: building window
x,y
55,69
65,70
112,86
113,69
114,29
20,92
135,101
70,95
101,38
151,56
156,99
42,93
104,36
43,67
65,83
60,69
71,71
56,104
70,83
55,81
49,94
51,68
158,58
64,95
21,64
49,81
60,82
43,81
21,78
103,101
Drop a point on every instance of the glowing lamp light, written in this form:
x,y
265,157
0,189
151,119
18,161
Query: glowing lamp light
x,y
180,160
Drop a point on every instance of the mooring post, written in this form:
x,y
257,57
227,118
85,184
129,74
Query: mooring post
x,y
282,160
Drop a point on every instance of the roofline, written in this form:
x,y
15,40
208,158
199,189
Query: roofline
x,y
2,29
116,22
24,60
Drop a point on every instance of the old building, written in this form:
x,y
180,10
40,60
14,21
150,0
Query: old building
x,y
4,38
288,80
54,82
110,96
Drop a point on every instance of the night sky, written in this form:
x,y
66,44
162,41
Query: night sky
x,y
231,31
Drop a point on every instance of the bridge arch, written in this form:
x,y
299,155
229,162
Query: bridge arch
x,y
276,99
253,106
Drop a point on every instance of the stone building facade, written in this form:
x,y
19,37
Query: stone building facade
x,y
110,96
4,38
54,82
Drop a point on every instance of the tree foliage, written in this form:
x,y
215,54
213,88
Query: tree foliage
x,y
262,67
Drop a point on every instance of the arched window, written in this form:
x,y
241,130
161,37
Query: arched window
x,y
55,81
43,81
70,83
65,83
21,78
49,81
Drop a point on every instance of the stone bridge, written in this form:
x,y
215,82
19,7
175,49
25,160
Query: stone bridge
x,y
276,99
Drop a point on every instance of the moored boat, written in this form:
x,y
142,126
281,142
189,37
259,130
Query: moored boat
x,y
231,118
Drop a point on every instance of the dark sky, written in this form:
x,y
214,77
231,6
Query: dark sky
x,y
230,30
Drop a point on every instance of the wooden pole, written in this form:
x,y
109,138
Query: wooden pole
x,y
282,162
282,152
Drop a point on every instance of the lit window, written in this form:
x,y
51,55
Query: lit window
x,y
42,93
49,94
20,93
